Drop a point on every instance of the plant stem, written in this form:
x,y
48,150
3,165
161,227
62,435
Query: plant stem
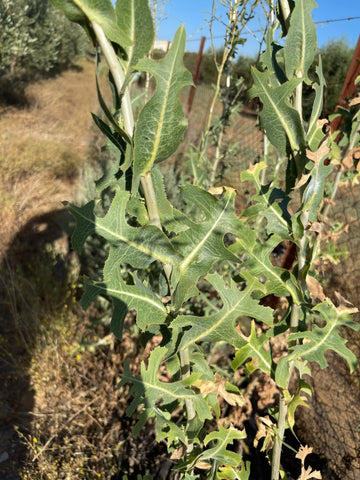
x,y
146,180
185,373
127,112
118,76
285,9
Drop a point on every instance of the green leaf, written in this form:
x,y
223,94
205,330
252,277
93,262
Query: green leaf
x,y
315,133
254,350
135,20
300,398
314,192
202,244
319,340
149,390
138,246
149,308
276,280
103,13
300,42
85,224
161,123
231,473
279,118
272,203
219,453
221,326
71,10
270,61
171,218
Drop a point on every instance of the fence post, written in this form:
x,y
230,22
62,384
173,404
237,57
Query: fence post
x,y
196,74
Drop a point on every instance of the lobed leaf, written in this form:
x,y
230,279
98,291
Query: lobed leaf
x,y
276,280
138,246
221,326
219,453
149,390
317,342
149,308
202,243
231,473
272,203
257,350
161,122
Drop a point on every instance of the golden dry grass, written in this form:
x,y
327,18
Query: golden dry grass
x,y
42,147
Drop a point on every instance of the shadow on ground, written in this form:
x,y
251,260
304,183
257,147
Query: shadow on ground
x,y
34,274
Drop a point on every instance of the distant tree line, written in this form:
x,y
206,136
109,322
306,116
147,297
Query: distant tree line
x,y
336,56
36,38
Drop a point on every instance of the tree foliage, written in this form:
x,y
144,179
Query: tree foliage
x,y
34,37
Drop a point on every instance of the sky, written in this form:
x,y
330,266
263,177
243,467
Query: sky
x,y
193,14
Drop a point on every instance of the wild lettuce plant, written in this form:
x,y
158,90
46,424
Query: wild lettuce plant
x,y
181,249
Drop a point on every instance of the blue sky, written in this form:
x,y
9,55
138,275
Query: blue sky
x,y
193,13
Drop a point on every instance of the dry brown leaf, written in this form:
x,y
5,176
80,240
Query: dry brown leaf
x,y
303,452
302,181
344,305
266,431
315,288
354,101
219,387
316,227
178,453
202,465
348,160
307,474
321,152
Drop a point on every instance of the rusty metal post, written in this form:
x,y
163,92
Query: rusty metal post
x,y
196,75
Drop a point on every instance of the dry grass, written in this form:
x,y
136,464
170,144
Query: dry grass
x,y
42,147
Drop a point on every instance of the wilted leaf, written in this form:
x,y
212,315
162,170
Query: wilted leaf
x,y
307,474
218,386
349,158
315,288
265,431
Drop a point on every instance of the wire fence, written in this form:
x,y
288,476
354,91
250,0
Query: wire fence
x,y
332,425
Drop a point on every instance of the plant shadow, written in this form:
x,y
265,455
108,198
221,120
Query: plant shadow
x,y
34,281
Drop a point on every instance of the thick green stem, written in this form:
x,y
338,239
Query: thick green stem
x,y
146,181
118,76
286,11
